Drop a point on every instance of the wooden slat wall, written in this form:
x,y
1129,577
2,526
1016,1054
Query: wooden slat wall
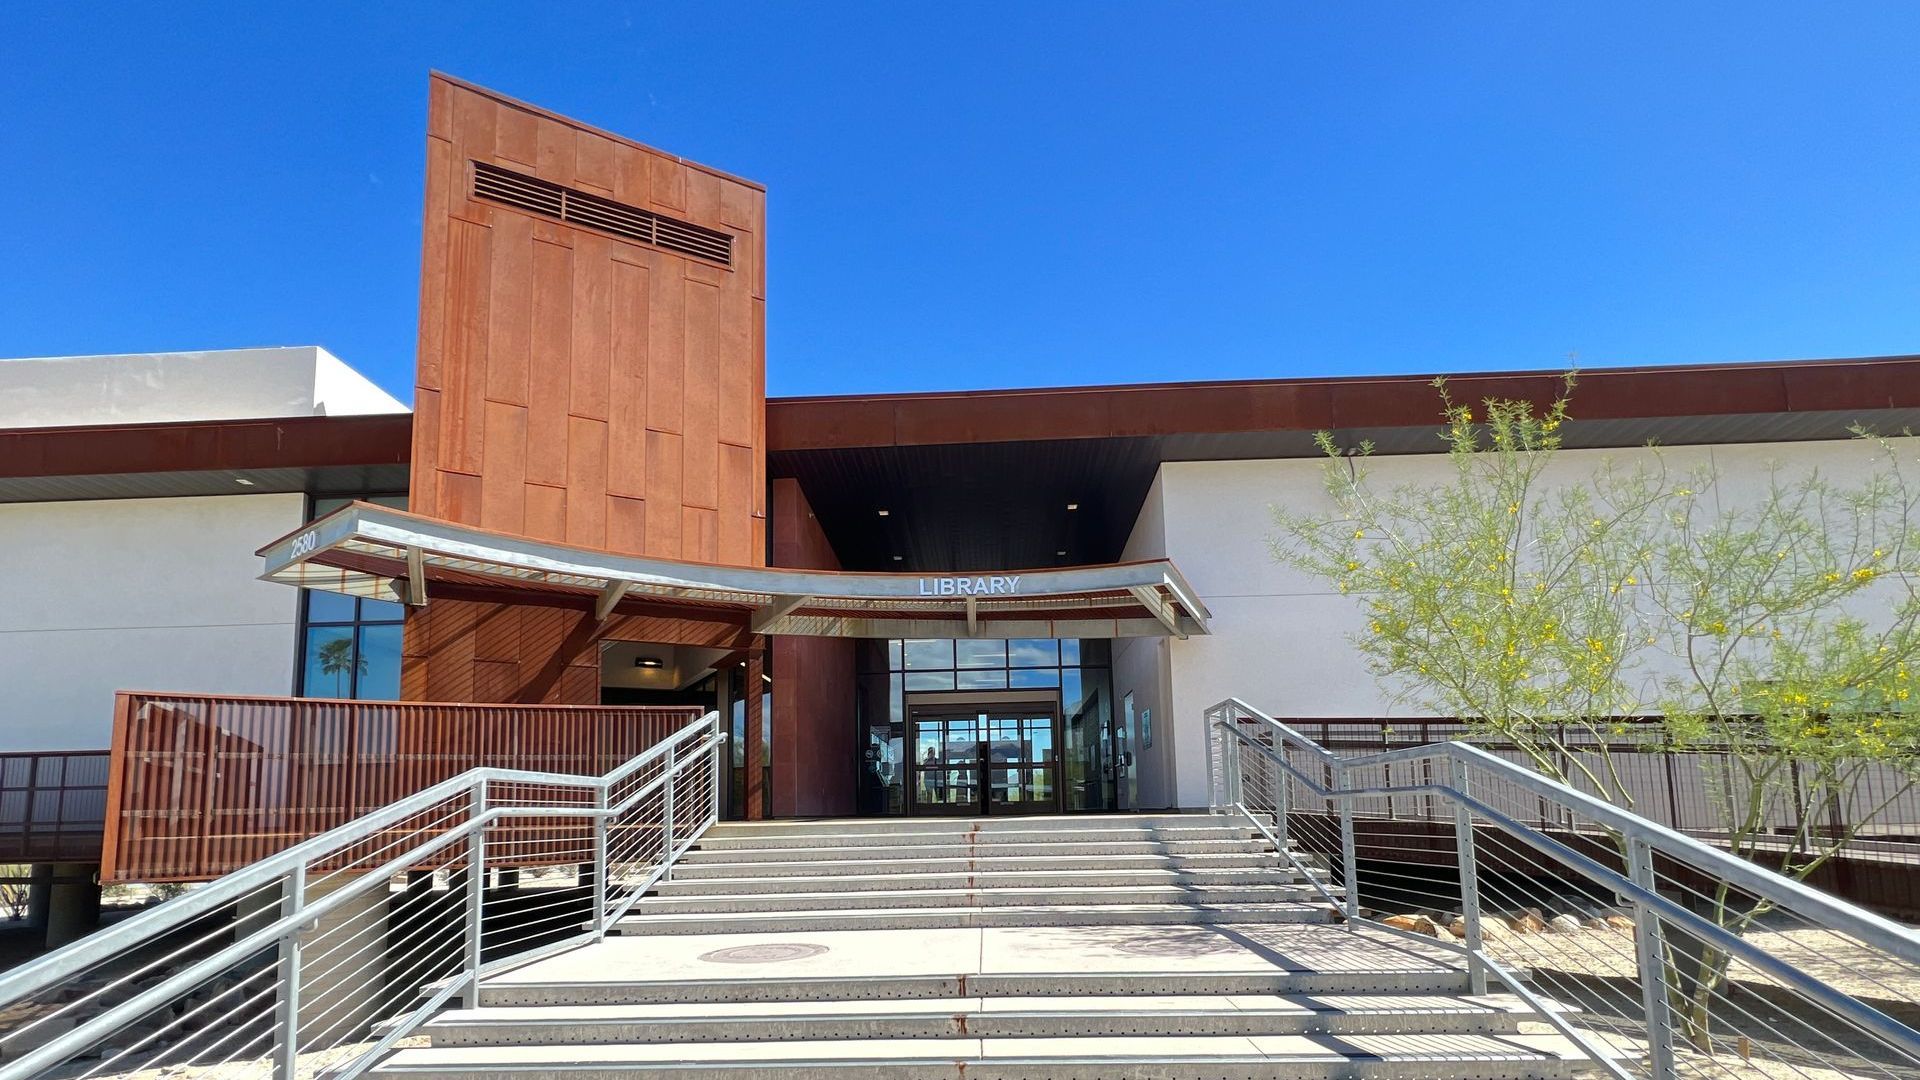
x,y
204,785
465,650
574,386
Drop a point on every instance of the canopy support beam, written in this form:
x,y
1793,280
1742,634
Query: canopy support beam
x,y
973,617
1160,607
416,578
609,599
782,606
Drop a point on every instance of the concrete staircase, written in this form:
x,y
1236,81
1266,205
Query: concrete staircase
x,y
1092,947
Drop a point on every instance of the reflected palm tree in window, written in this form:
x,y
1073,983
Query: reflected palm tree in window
x,y
337,658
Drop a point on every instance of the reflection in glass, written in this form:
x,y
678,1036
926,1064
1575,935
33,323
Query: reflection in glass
x,y
983,680
330,662
936,653
980,653
328,607
1033,652
379,662
929,680
1036,677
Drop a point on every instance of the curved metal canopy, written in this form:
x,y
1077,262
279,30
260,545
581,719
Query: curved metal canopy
x,y
386,554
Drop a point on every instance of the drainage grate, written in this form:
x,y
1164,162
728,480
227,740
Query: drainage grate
x,y
539,196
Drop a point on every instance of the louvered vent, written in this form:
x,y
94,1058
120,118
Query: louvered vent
x,y
595,212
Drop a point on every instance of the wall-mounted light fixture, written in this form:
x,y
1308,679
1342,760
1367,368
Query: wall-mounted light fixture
x,y
884,513
649,662
1073,506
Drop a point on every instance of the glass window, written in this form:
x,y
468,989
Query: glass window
x,y
893,655
978,653
930,654
351,647
1070,652
982,680
929,680
1036,677
329,607
1033,652
330,662
379,677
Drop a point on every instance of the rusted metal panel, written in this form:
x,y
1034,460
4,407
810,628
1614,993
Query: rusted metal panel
x,y
200,785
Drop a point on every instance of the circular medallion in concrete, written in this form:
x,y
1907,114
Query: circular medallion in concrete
x,y
770,953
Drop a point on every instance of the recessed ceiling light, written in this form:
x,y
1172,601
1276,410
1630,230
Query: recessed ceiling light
x,y
884,513
1073,506
243,481
1060,552
648,662
897,558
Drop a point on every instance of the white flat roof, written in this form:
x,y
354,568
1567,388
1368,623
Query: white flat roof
x,y
174,387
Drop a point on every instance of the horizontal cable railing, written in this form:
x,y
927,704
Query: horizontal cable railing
x,y
1658,954
1692,789
321,957
202,785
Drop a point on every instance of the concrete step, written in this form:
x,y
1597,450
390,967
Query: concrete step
x,y
1011,838
1366,1057
839,917
883,881
961,825
700,865
954,988
827,848
986,1017
983,895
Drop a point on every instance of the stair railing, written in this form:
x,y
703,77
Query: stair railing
x,y
1654,953
322,957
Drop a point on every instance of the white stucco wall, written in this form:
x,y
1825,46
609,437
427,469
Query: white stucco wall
x,y
1282,640
150,388
136,594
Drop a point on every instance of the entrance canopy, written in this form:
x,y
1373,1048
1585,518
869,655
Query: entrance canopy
x,y
374,551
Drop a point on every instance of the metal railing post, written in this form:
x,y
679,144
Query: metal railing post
x,y
1350,862
666,810
476,895
1216,763
1469,878
600,884
717,752
286,1057
1282,796
1649,942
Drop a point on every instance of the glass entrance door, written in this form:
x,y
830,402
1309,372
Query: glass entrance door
x,y
985,759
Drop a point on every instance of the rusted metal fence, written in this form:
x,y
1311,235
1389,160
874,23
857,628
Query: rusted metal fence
x,y
52,805
201,785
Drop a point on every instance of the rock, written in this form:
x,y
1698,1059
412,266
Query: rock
x,y
1417,924
1458,927
1527,922
1563,924
1537,914
1619,922
1595,924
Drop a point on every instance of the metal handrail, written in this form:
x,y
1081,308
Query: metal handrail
x,y
1795,896
1642,837
682,752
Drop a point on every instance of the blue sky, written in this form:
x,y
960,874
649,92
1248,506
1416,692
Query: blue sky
x,y
970,195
